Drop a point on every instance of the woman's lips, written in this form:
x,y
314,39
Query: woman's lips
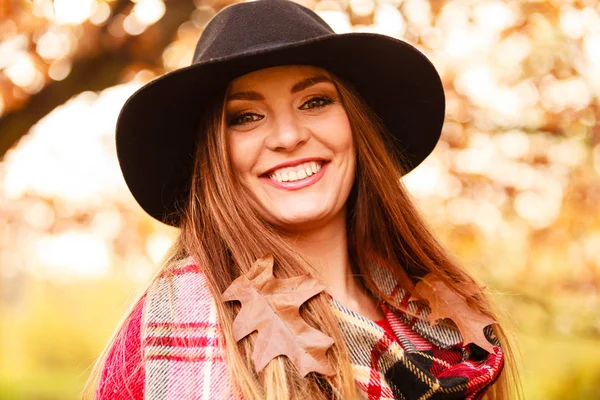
x,y
295,185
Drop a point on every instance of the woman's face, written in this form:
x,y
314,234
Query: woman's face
x,y
291,144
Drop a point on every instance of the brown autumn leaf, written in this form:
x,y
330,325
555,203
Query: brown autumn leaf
x,y
444,303
271,306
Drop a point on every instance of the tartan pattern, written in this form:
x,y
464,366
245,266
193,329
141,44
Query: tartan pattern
x,y
182,353
184,358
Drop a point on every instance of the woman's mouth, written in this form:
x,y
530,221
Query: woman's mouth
x,y
297,172
297,176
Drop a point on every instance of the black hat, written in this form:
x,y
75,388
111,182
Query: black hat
x,y
157,129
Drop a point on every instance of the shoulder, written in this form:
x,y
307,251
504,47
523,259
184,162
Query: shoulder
x,y
172,330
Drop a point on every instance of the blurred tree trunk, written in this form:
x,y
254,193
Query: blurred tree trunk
x,y
101,68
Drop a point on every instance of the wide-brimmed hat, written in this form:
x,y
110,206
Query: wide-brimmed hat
x,y
157,129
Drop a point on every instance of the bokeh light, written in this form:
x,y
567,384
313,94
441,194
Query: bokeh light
x,y
72,12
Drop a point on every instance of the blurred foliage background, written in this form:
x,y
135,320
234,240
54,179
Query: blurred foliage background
x,y
512,188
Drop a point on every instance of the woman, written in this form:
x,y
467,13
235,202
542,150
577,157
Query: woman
x,y
282,146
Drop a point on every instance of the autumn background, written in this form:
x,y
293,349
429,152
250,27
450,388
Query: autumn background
x,y
513,188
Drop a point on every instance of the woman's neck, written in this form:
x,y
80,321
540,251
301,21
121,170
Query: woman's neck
x,y
326,249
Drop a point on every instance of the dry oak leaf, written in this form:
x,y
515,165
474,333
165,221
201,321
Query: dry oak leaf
x,y
445,303
271,306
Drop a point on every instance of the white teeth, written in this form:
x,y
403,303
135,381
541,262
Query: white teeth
x,y
302,172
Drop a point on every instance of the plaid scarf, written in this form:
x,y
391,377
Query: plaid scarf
x,y
184,358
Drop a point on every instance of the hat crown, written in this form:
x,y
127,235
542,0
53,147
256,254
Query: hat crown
x,y
253,26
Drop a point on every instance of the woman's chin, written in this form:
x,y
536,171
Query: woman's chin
x,y
298,218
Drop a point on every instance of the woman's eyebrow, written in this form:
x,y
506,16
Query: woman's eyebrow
x,y
308,82
249,95
299,86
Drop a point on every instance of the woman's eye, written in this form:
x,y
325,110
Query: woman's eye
x,y
316,102
243,119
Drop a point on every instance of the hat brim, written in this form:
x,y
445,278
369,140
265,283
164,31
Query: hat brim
x,y
157,129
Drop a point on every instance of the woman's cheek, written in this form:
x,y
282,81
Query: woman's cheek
x,y
245,150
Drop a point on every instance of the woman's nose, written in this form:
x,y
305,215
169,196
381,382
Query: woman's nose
x,y
287,134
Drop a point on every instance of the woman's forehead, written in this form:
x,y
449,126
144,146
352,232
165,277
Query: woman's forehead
x,y
286,75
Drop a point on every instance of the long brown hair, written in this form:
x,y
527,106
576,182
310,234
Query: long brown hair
x,y
222,231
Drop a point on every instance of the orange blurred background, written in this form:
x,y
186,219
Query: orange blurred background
x,y
513,188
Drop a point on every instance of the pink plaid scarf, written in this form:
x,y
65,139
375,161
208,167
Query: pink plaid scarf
x,y
184,358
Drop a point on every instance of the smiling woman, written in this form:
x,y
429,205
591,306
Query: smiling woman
x,y
288,130
274,156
